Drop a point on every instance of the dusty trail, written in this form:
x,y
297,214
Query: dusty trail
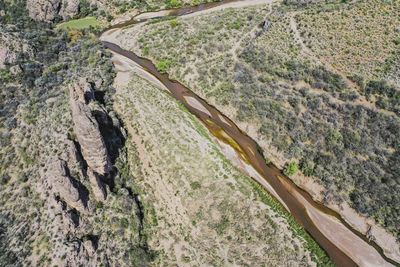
x,y
345,246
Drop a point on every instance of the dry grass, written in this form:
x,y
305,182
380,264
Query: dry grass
x,y
358,38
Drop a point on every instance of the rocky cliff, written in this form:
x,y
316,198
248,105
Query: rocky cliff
x,y
49,10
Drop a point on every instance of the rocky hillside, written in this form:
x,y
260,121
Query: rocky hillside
x,y
61,203
101,166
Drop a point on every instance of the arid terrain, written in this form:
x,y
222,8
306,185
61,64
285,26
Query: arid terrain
x,y
104,164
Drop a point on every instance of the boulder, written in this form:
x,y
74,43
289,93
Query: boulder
x,y
87,130
64,185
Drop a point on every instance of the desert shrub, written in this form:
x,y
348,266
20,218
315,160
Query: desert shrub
x,y
307,167
163,65
387,95
173,23
291,168
5,75
327,80
195,185
172,3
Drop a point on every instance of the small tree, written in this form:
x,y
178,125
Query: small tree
x,y
291,168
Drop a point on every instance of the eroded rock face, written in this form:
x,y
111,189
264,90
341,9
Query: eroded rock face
x,y
64,185
69,9
43,10
87,130
99,189
48,10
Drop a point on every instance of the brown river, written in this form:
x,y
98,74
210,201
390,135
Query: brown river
x,y
344,245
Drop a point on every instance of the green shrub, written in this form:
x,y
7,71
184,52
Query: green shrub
x,y
163,65
195,185
307,167
173,3
291,168
173,23
5,75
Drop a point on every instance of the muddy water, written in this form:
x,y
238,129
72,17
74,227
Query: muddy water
x,y
344,245
179,12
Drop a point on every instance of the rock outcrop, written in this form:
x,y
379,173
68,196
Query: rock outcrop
x,y
87,129
64,185
49,10
69,9
43,10
99,189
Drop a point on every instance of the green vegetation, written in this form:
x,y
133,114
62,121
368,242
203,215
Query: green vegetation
x,y
79,24
173,3
291,168
163,65
173,23
222,225
195,185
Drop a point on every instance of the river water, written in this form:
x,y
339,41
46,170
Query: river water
x,y
344,245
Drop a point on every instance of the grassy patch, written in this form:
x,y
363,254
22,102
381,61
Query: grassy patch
x,y
79,23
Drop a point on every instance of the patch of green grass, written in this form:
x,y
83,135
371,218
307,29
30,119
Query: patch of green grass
x,y
222,225
79,23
